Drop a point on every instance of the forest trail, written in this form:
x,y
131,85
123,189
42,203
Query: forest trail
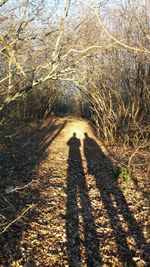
x,y
84,214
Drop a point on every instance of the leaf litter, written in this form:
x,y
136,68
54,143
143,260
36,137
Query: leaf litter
x,y
72,209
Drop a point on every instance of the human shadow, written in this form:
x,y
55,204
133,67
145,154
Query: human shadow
x,y
101,167
77,190
22,148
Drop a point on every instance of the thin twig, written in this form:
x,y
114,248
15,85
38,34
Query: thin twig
x,y
18,218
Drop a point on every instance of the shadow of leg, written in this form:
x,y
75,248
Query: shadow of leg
x,y
91,239
134,228
72,222
124,253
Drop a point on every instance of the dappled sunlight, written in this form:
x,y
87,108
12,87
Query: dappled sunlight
x,y
74,133
82,215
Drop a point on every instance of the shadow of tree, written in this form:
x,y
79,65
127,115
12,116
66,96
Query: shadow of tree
x,y
106,176
122,156
21,151
77,191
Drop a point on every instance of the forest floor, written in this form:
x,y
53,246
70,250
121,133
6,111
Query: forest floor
x,y
62,202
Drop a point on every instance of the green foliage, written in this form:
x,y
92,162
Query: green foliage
x,y
125,174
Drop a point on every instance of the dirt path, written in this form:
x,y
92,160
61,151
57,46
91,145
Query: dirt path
x,y
84,214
